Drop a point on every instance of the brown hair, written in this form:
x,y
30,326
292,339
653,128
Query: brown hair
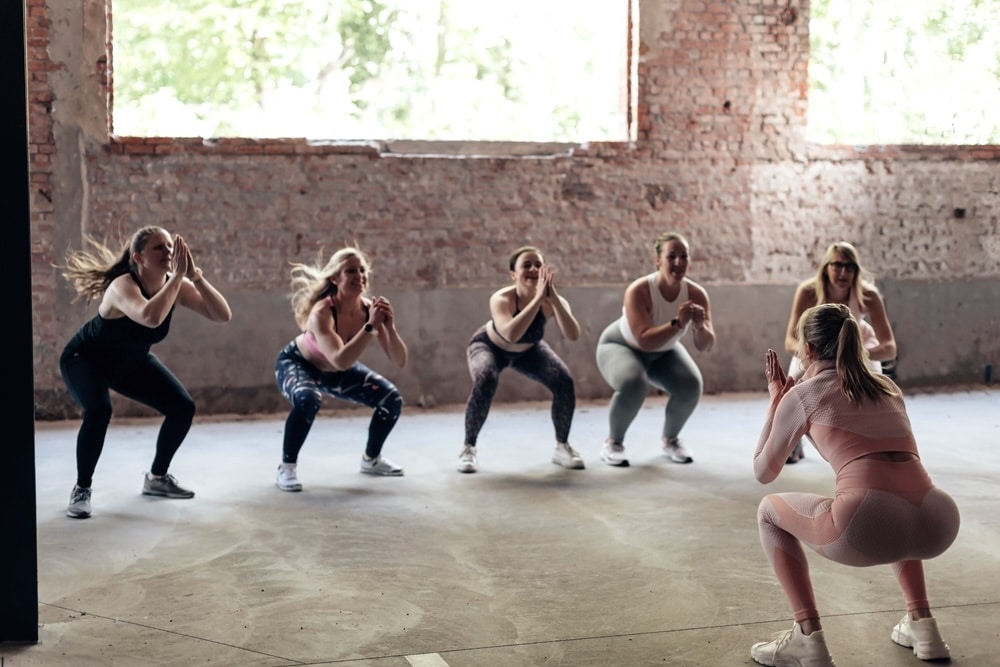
x,y
520,251
92,271
665,238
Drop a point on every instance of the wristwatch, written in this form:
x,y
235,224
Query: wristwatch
x,y
675,323
369,329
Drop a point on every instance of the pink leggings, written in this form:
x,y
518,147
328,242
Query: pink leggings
x,y
882,513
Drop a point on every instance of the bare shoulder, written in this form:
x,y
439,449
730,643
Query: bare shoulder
x,y
869,291
696,291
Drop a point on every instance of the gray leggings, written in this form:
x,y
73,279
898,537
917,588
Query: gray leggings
x,y
630,372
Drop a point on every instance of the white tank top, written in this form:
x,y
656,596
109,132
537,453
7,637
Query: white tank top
x,y
663,312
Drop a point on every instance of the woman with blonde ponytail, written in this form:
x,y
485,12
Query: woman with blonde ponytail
x,y
138,288
886,509
338,323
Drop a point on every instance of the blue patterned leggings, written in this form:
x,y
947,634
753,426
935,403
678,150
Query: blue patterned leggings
x,y
539,363
303,385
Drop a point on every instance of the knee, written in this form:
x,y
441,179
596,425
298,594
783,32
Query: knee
x,y
688,390
564,386
635,387
183,408
306,404
765,511
392,407
98,413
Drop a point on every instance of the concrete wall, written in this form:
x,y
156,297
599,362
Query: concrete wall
x,y
720,154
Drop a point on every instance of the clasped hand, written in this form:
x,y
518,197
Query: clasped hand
x,y
777,381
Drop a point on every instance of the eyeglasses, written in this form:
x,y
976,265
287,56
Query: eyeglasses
x,y
850,267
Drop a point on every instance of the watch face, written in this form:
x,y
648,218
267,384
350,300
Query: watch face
x,y
368,327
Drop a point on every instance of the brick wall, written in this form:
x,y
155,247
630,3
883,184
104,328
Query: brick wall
x,y
720,155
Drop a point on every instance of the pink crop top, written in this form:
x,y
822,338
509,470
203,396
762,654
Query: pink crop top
x,y
841,432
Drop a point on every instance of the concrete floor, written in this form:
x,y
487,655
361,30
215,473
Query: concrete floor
x,y
523,563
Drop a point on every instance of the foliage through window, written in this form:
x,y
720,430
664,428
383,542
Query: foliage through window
x,y
456,70
904,72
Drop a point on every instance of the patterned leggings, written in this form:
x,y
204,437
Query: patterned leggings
x,y
303,385
883,513
539,363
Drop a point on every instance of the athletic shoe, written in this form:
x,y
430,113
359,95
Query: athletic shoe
x,y
922,636
613,453
165,486
567,457
675,451
797,454
286,479
380,466
791,648
467,461
79,503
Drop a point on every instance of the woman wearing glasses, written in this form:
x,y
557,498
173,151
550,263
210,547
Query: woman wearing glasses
x,y
840,279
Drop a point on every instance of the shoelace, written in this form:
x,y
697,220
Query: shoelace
x,y
467,453
781,639
80,495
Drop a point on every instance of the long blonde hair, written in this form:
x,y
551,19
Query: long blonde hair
x,y
311,282
92,271
861,281
833,333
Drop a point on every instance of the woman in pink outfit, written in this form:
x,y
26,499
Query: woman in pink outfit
x,y
886,509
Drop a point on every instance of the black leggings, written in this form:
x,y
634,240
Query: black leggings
x,y
148,382
303,385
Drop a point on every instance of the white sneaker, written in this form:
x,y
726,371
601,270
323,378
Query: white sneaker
x,y
380,466
613,453
467,461
791,648
922,636
567,457
287,478
674,450
79,503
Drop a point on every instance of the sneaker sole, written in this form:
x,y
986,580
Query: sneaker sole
x,y
395,473
570,465
677,459
78,515
618,464
932,652
290,489
175,496
467,469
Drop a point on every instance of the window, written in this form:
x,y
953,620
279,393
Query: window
x,y
913,72
456,70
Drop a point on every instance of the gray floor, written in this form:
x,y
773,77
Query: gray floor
x,y
523,563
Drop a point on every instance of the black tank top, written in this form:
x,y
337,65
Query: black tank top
x,y
121,340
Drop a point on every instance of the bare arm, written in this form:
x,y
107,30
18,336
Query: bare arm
x,y
124,296
701,315
388,337
507,324
784,426
805,298
568,325
196,292
886,348
341,353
